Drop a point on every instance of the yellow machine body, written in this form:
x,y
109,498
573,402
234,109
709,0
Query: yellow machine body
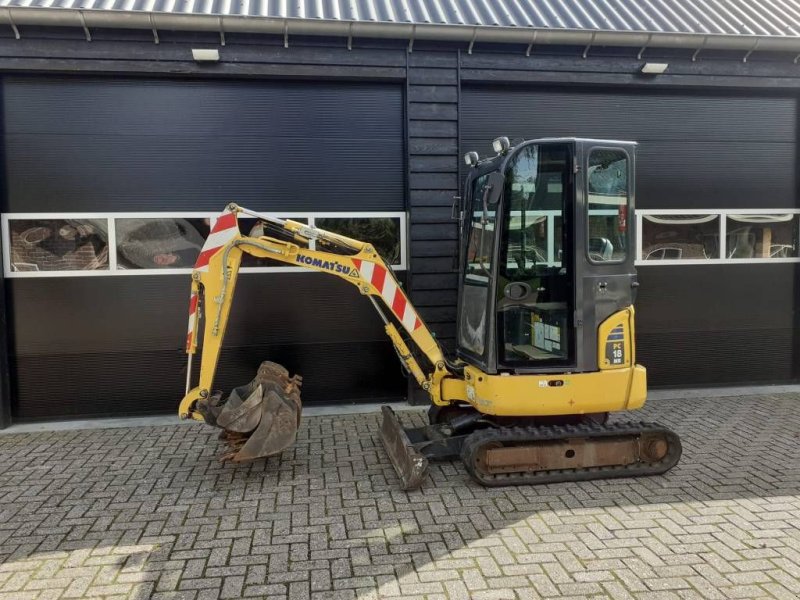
x,y
611,388
550,395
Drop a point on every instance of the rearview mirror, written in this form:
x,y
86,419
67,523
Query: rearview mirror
x,y
495,188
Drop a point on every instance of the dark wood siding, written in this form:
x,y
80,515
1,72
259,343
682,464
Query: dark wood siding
x,y
433,182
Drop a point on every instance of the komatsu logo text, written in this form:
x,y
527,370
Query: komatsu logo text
x,y
329,265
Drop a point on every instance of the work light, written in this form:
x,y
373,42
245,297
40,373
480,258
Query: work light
x,y
471,158
501,145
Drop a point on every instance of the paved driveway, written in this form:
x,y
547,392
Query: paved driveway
x,y
148,512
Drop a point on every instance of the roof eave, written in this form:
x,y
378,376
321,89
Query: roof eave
x,y
93,18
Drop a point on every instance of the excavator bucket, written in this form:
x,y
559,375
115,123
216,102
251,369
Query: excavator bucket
x,y
259,419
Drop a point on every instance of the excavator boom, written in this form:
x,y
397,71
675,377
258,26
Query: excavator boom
x,y
261,418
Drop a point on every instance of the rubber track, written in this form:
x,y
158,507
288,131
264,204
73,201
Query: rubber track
x,y
533,435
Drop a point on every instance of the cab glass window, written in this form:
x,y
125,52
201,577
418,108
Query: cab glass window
x,y
607,204
479,252
534,284
480,244
534,191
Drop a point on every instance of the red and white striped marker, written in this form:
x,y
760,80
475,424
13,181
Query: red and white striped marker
x,y
224,230
391,294
192,310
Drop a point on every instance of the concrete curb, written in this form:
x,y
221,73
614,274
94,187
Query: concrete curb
x,y
354,409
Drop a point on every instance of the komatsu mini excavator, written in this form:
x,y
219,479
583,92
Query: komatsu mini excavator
x,y
545,335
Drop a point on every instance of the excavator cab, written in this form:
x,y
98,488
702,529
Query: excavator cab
x,y
546,256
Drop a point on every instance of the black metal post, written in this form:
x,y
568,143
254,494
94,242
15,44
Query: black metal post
x,y
5,381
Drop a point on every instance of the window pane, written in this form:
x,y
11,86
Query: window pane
x,y
256,228
527,241
59,244
480,246
761,236
382,232
534,194
680,237
558,240
608,205
533,297
159,243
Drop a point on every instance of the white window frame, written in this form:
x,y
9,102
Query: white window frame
x,y
723,225
110,218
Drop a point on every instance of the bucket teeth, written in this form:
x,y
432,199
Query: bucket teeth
x,y
259,419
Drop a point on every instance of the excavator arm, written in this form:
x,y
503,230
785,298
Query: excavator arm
x,y
214,281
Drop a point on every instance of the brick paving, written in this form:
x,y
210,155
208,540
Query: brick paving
x,y
148,513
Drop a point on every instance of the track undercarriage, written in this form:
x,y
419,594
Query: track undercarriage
x,y
499,454
261,419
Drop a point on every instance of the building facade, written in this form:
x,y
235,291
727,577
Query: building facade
x,y
119,148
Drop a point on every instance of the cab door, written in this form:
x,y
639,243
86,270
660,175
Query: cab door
x,y
479,241
606,274
535,293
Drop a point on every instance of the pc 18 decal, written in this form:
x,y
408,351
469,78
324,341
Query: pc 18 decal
x,y
615,346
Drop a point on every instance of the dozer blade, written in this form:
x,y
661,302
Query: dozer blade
x,y
410,466
259,419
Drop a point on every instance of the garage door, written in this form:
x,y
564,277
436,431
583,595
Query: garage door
x,y
706,314
110,188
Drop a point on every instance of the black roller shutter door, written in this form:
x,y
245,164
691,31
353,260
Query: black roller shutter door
x,y
113,344
696,325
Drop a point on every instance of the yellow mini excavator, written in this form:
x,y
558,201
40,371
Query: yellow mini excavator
x,y
545,336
